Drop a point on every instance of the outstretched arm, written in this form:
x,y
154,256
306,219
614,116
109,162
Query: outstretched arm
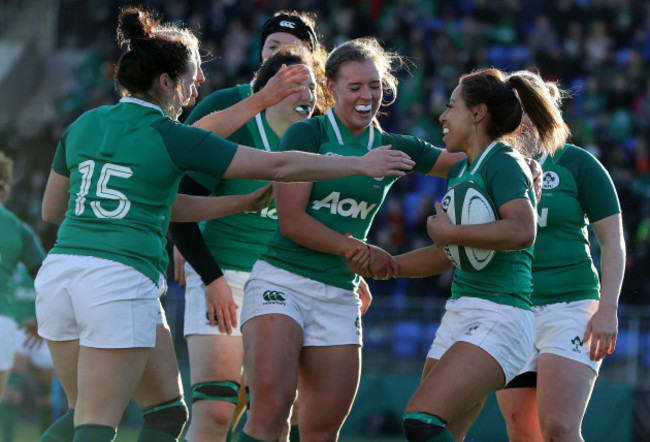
x,y
249,163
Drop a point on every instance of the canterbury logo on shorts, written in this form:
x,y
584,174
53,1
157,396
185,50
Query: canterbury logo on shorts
x,y
274,297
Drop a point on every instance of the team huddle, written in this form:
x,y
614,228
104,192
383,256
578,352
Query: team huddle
x,y
269,190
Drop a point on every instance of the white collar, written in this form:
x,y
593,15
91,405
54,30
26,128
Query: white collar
x,y
337,131
141,103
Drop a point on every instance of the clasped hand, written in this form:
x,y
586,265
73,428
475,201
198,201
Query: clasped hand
x,y
373,262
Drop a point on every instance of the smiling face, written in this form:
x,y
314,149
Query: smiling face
x,y
358,92
275,40
457,123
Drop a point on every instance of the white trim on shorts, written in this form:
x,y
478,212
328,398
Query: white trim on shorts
x,y
559,329
8,331
328,315
102,303
505,332
196,320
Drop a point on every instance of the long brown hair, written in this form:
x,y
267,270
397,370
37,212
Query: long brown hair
x,y
507,98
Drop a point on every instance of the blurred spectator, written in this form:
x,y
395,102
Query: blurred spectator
x,y
598,48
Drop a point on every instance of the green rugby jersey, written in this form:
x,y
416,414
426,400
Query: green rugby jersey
x,y
124,162
576,190
19,245
347,205
22,287
504,175
236,241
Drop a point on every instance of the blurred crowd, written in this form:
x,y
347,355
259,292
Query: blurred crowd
x,y
599,50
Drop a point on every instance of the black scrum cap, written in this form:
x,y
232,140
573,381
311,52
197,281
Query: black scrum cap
x,y
291,24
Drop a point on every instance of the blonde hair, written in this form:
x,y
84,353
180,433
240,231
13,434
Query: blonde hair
x,y
368,49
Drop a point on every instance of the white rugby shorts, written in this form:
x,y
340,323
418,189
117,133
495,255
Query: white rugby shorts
x,y
328,315
196,320
505,332
559,329
8,331
103,303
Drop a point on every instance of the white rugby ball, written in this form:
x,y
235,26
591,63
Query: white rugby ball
x,y
466,203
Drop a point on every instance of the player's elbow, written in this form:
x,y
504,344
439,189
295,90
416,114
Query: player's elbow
x,y
525,239
50,216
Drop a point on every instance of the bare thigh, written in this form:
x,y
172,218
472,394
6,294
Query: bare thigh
x,y
458,382
272,347
65,357
329,378
161,379
564,387
106,381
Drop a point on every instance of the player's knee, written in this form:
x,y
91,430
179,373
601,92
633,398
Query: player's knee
x,y
169,417
556,427
423,427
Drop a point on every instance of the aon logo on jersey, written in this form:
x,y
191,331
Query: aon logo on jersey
x,y
346,207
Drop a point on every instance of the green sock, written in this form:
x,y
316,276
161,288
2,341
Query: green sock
x,y
9,413
243,437
93,433
294,434
155,436
61,430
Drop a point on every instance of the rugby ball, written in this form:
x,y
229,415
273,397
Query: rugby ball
x,y
466,203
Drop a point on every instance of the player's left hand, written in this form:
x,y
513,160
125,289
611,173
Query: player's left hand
x,y
364,296
358,261
602,328
261,198
221,305
436,224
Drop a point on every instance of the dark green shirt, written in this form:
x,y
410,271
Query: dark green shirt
x,y
124,162
577,190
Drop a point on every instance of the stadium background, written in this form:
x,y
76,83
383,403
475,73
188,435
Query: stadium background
x,y
57,60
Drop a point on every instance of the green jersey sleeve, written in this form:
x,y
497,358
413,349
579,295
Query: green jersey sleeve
x,y
217,101
422,152
191,148
305,135
596,190
508,177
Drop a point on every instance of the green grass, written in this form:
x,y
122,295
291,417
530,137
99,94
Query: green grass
x,y
29,433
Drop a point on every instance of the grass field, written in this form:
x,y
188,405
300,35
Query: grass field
x,y
29,433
